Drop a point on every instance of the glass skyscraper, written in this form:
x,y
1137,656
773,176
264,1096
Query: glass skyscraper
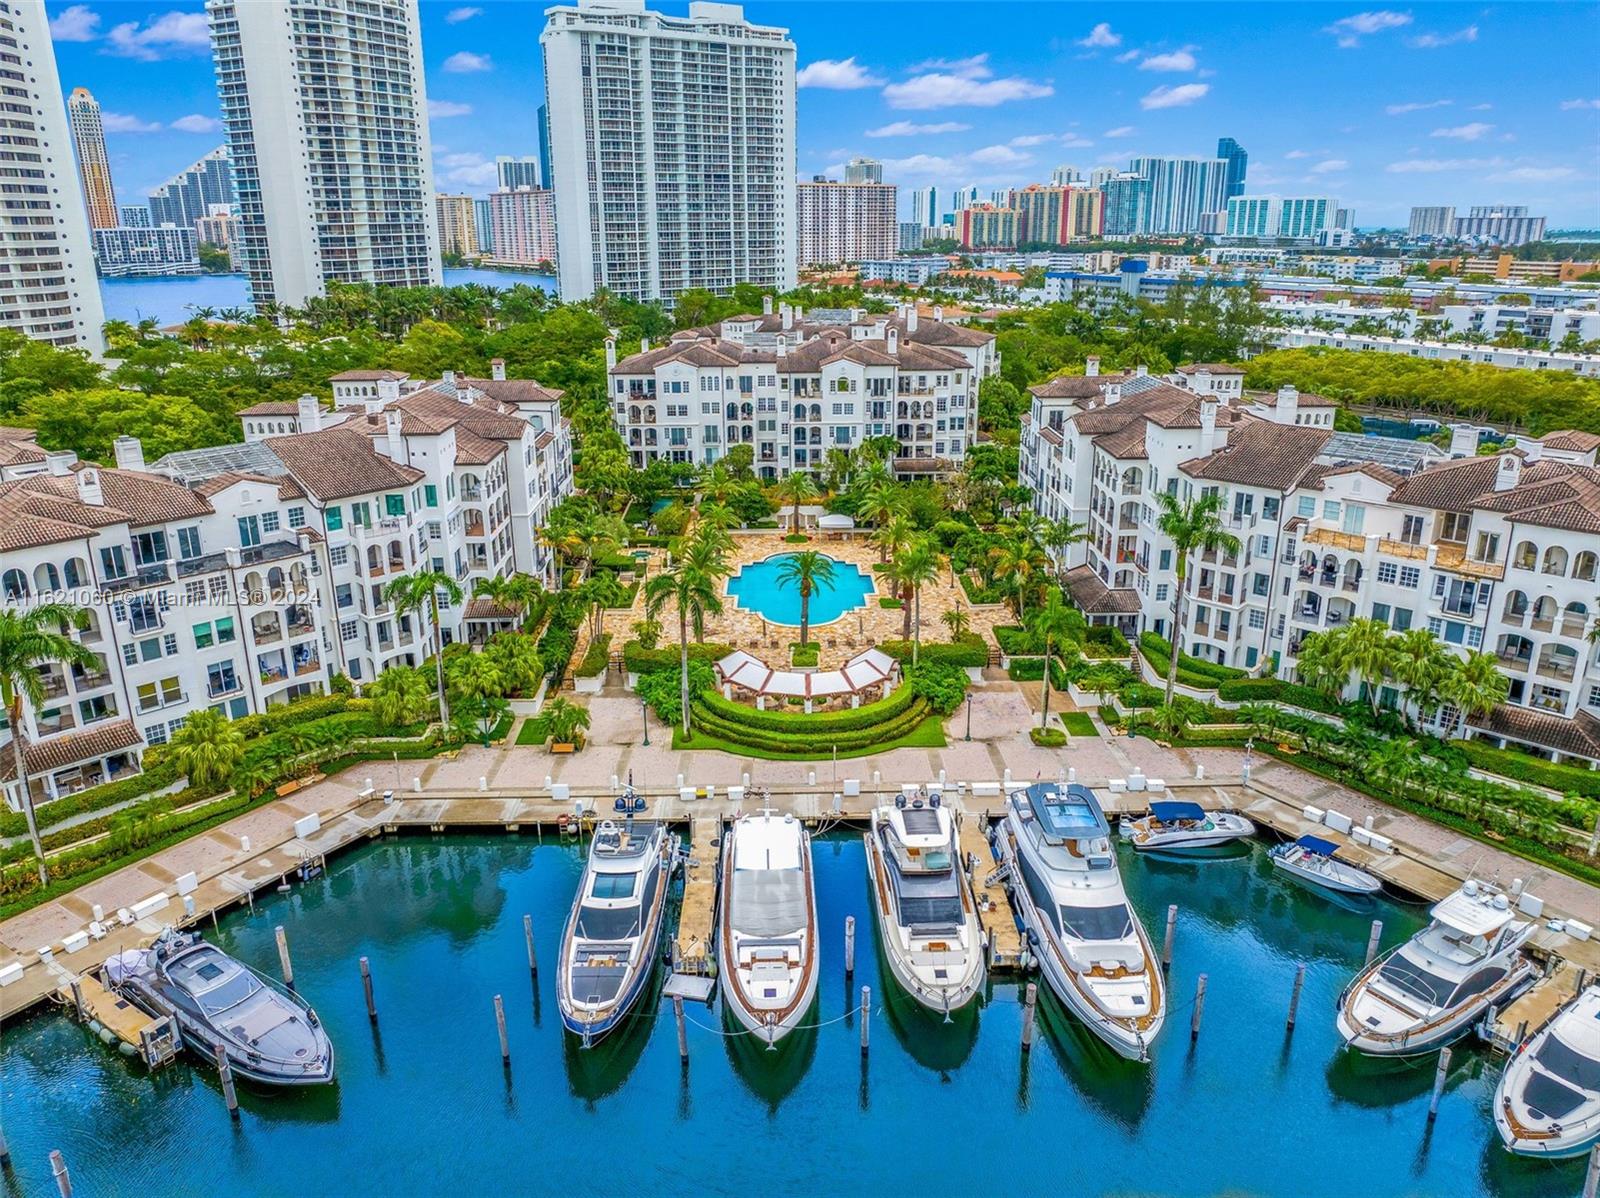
x,y
1233,154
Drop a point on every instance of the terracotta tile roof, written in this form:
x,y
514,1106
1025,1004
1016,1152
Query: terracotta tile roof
x,y
440,409
228,478
473,450
1095,598
481,607
1449,486
45,509
58,752
368,376
338,463
271,407
1579,736
1260,453
1382,473
1571,439
1076,386
515,391
1210,368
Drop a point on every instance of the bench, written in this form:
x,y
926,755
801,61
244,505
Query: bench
x,y
563,747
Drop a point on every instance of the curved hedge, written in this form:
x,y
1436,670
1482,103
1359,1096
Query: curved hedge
x,y
1192,671
1276,690
809,741
868,715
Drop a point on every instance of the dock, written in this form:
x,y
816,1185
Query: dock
x,y
1533,1009
994,906
691,951
154,1041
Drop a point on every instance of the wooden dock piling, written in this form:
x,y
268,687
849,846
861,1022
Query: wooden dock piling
x,y
283,956
866,1018
1438,1084
1199,1009
500,1025
5,1151
1372,941
1030,1002
1166,943
849,945
58,1169
366,986
1294,997
527,934
683,1032
1591,1179
225,1072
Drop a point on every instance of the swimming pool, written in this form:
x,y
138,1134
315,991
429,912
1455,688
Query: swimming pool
x,y
756,588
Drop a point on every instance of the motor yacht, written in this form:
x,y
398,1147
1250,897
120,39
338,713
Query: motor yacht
x,y
767,924
1548,1101
1315,861
1174,826
1431,989
1061,871
927,916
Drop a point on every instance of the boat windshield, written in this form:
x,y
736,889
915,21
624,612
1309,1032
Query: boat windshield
x,y
607,923
1567,1063
227,994
1097,923
612,886
932,910
1406,975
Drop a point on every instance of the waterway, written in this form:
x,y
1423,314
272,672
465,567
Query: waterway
x,y
172,298
423,1106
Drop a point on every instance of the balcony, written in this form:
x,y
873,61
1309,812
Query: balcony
x,y
1515,662
53,685
1351,542
1451,556
1403,549
266,631
309,665
90,680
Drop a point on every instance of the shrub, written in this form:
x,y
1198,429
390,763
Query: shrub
x,y
1015,641
1103,640
1110,716
298,712
1141,694
596,657
158,774
978,593
1192,671
1047,738
808,743
970,651
804,655
941,684
1276,690
662,689
640,660
796,538
890,603
868,715
1535,771
1026,669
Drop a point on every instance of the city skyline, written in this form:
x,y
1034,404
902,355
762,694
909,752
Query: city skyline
x,y
1386,108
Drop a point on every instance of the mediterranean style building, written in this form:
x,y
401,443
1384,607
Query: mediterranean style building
x,y
1496,553
242,576
793,385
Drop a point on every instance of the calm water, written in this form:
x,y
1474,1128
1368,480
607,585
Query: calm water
x,y
756,588
425,1108
168,300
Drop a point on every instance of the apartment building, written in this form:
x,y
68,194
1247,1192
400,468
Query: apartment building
x,y
1057,215
125,253
1527,358
672,149
194,192
1183,191
523,225
326,113
1494,553
987,227
846,222
94,164
458,225
48,288
793,386
1434,221
1290,218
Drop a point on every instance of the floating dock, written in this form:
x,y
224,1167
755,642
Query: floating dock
x,y
154,1041
1534,1008
995,916
691,951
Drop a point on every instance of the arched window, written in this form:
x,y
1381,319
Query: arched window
x,y
45,578
1526,557
1516,605
1583,566
15,584
1555,560
75,572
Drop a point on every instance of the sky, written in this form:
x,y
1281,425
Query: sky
x,y
1381,108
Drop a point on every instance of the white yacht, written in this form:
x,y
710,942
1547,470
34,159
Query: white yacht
x,y
1173,826
767,926
1431,989
1548,1101
1314,860
1064,884
613,934
926,912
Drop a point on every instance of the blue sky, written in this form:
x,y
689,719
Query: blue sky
x,y
1381,107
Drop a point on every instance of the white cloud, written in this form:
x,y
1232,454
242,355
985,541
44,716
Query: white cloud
x,y
1533,174
1074,142
195,123
1329,166
1128,56
465,62
121,122
1119,131
1298,154
940,90
1486,107
1433,166
1175,60
182,32
1101,37
456,15
1416,106
1175,97
1031,139
912,129
76,24
439,109
1348,31
1569,105
844,74
472,169
999,156
1472,131
974,67
1432,41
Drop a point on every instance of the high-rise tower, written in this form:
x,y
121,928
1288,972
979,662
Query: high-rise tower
x,y
94,167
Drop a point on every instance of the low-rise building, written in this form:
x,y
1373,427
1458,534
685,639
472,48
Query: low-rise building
x,y
912,271
127,252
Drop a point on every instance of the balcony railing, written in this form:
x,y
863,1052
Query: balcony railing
x,y
1517,662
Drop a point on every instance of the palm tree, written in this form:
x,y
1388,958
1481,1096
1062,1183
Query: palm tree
x,y
207,748
517,658
957,621
478,687
795,489
918,566
561,720
1057,535
29,640
420,592
1191,525
1475,687
1019,562
1365,649
806,570
399,695
517,594
1055,623
880,504
1420,664
693,583
893,536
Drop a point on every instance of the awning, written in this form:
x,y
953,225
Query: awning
x,y
1315,844
750,673
1170,812
835,522
1097,599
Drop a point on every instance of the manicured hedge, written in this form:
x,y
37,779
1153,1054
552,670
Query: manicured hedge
x,y
978,593
95,798
1192,671
1017,641
1276,690
1047,738
970,651
1103,640
1026,669
596,657
1141,694
640,660
868,715
807,742
1524,767
275,719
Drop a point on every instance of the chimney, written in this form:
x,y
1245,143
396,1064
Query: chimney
x,y
310,414
1112,393
644,345
497,370
911,319
938,313
1141,371
130,453
1208,426
1288,404
60,462
893,340
1091,367
786,316
783,349
1464,440
798,313
372,406
450,380
766,305
89,487
1509,473
395,447
611,350
388,391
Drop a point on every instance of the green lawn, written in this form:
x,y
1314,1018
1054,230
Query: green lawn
x,y
528,734
1078,723
929,734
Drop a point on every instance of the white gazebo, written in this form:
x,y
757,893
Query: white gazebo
x,y
867,669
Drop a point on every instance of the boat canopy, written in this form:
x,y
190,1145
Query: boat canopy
x,y
1474,911
1070,814
1315,844
1170,811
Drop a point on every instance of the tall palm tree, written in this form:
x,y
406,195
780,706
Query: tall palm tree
x,y
693,583
516,593
795,489
1019,562
1366,650
1475,687
1056,622
419,593
807,571
1191,525
1057,535
1420,664
29,640
880,504
207,747
894,536
918,566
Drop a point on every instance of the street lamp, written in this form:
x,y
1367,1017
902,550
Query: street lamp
x,y
1249,752
969,717
644,714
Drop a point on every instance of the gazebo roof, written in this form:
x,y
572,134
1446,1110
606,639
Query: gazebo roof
x,y
835,522
865,669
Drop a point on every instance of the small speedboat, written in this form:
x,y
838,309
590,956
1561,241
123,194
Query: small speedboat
x,y
767,941
1314,861
1548,1101
926,912
1173,826
1428,991
613,935
1061,873
269,1036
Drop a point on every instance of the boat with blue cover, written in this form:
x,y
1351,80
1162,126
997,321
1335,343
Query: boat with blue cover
x,y
1174,825
1314,860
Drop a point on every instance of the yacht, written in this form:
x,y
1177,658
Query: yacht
x,y
269,1036
1173,826
1315,861
1061,872
1431,989
613,935
1548,1101
767,925
926,911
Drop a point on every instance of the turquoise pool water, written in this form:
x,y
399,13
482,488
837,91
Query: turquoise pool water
x,y
422,1105
756,588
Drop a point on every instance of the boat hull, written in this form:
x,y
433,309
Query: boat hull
x,y
592,1031
1227,829
945,998
766,1024
762,1027
1428,1035
1332,882
200,1038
